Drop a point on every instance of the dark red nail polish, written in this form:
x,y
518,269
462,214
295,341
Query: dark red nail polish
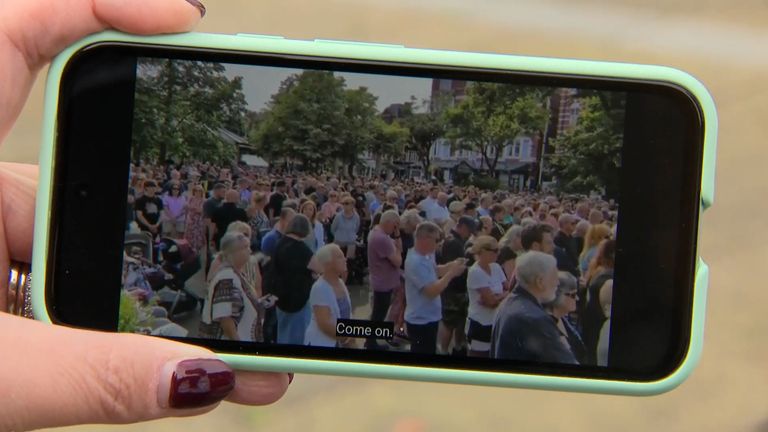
x,y
198,5
201,382
290,378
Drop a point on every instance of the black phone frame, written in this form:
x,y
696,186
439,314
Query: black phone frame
x,y
657,228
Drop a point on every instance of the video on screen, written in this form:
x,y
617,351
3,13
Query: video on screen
x,y
374,212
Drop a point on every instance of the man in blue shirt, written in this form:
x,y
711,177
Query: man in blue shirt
x,y
269,242
424,281
378,201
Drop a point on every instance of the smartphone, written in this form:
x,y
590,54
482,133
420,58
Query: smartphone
x,y
233,125
268,300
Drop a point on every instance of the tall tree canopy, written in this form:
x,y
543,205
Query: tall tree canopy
x,y
424,128
492,115
316,120
179,107
588,156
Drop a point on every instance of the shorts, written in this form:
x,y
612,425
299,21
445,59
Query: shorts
x,y
478,335
168,226
454,309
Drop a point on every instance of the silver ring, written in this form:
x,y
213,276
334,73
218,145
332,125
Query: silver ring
x,y
19,293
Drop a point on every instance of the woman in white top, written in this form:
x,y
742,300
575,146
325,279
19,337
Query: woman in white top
x,y
329,299
485,285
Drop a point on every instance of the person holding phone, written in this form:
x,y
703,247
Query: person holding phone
x,y
424,282
161,380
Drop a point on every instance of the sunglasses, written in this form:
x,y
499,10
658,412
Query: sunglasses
x,y
572,295
494,250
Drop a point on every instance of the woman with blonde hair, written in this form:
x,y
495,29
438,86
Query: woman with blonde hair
x,y
595,234
485,286
329,299
316,238
486,225
257,217
512,239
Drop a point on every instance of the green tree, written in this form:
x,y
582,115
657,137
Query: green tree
x,y
365,130
492,115
424,130
388,142
359,131
180,105
588,156
305,119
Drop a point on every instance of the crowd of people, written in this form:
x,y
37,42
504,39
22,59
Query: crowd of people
x,y
456,270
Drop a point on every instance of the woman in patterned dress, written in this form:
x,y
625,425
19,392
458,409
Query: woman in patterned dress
x,y
195,226
234,309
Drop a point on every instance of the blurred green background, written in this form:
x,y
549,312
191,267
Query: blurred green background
x,y
722,43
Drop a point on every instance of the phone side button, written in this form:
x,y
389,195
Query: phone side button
x,y
344,42
260,36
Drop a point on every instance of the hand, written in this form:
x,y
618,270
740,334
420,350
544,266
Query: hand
x,y
460,262
60,376
458,266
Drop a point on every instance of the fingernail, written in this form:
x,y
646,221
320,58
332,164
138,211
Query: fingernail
x,y
198,383
290,378
198,5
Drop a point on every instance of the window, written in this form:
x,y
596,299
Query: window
x,y
445,85
527,150
516,149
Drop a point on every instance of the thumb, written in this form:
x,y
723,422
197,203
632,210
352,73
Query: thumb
x,y
34,31
40,29
66,376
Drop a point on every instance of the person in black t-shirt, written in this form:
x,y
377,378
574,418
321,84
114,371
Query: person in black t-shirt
x,y
217,198
293,281
565,239
454,300
593,316
226,214
148,209
276,200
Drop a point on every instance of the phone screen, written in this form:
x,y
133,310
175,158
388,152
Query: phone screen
x,y
400,214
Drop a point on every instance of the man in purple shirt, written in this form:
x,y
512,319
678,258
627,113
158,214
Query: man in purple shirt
x,y
384,260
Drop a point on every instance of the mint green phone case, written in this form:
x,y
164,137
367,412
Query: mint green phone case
x,y
395,53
